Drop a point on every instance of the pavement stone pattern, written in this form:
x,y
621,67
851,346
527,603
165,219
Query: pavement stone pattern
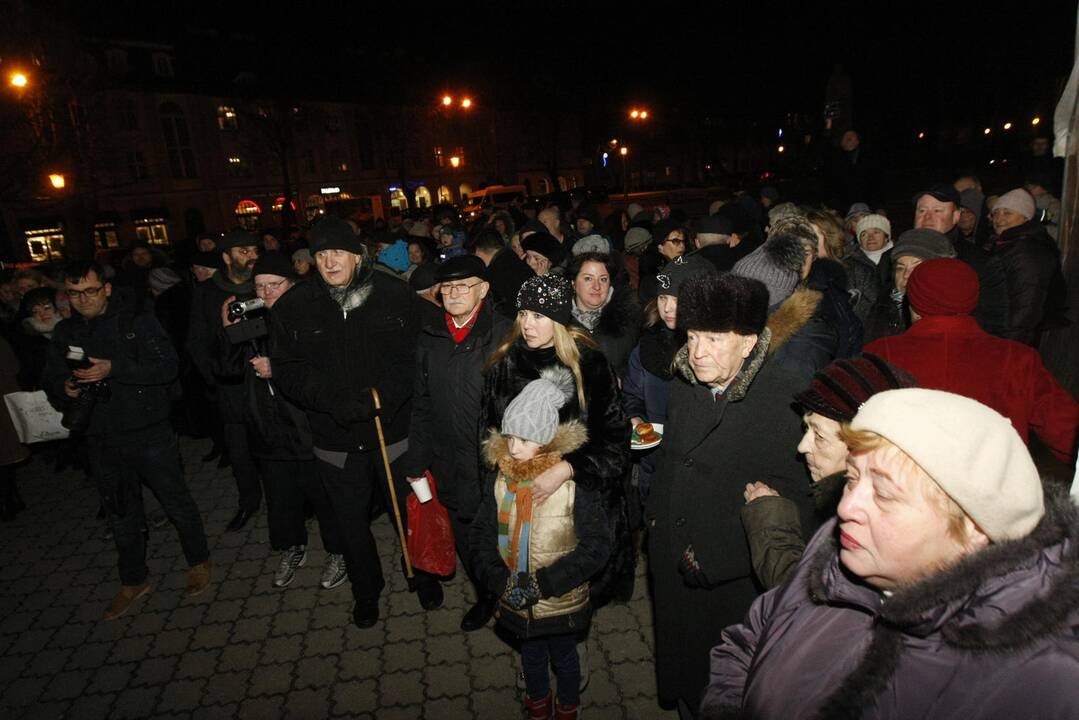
x,y
244,649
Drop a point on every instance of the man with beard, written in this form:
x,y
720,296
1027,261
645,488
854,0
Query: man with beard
x,y
239,251
335,340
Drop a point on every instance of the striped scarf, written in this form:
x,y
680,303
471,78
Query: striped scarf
x,y
514,549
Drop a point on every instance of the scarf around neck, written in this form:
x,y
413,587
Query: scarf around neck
x,y
590,318
518,475
354,294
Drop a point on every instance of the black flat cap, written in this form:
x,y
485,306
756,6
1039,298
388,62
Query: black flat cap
x,y
941,191
460,267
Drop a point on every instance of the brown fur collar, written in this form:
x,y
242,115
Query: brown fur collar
x,y
569,437
792,315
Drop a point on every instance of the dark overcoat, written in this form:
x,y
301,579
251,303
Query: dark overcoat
x,y
713,447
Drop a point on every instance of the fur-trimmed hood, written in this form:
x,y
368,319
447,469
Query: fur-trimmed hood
x,y
792,315
999,601
740,385
569,437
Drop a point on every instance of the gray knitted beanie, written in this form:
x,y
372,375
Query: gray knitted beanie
x,y
777,263
533,414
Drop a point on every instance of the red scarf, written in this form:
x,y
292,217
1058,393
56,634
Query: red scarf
x,y
460,333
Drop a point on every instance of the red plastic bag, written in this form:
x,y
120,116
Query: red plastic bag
x,y
430,535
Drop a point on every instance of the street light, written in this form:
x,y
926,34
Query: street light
x,y
447,100
1007,126
780,149
455,161
19,80
644,114
466,103
623,151
987,131
1036,120
634,114
57,181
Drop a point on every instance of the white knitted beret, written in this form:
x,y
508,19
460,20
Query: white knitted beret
x,y
870,222
971,451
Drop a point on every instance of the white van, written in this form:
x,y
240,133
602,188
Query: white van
x,y
493,196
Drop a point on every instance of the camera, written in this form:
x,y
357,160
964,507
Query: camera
x,y
80,410
243,308
249,320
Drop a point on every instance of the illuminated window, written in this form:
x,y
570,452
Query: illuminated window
x,y
177,141
464,191
544,186
423,197
152,231
398,199
247,214
45,244
226,117
445,195
105,235
440,160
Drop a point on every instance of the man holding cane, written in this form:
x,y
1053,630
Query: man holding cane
x,y
332,341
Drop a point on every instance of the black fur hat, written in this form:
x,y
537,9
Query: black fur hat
x,y
723,303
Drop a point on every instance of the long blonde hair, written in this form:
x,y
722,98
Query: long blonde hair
x,y
566,347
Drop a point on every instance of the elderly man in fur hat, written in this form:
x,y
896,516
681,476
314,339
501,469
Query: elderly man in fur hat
x,y
729,410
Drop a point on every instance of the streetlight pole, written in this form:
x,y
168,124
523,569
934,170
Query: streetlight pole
x,y
624,151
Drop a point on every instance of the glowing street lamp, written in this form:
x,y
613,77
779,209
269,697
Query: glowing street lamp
x,y
634,114
781,149
57,180
455,161
19,80
1007,126
623,151
466,103
1036,120
447,100
644,114
987,131
921,136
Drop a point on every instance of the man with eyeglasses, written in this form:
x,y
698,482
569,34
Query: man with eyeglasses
x,y
123,357
333,340
238,251
444,437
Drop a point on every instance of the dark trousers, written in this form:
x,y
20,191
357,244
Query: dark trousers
x,y
152,456
349,490
288,484
244,469
561,652
461,531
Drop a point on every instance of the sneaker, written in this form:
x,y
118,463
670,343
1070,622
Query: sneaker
x,y
335,571
294,557
198,578
124,600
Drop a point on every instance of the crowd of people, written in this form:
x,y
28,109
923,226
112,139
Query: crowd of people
x,y
841,516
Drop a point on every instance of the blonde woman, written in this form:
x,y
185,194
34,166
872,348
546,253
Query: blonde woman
x,y
542,337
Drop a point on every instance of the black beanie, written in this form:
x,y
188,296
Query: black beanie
x,y
672,278
333,233
723,303
273,263
549,295
546,245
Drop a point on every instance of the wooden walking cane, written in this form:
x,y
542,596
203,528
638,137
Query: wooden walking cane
x,y
393,491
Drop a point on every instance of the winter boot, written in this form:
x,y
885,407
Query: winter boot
x,y
539,709
565,712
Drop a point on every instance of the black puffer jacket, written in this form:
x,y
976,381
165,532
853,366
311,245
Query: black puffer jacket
x,y
864,282
618,328
143,366
600,464
446,426
327,361
1027,279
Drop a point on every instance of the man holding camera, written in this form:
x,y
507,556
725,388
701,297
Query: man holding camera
x,y
333,341
109,368
239,251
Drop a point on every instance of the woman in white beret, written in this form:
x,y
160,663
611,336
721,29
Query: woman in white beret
x,y
947,586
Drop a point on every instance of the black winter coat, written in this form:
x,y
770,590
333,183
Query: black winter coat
x,y
713,447
277,429
143,366
600,464
618,328
446,426
865,282
1026,279
507,273
204,341
327,361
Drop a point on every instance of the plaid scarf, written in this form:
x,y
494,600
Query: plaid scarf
x,y
514,548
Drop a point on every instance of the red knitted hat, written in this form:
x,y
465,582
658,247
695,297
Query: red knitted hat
x,y
943,287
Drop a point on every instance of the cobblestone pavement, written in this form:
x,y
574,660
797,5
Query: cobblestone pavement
x,y
244,648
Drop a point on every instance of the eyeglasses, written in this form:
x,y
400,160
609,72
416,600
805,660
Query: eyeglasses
x,y
459,289
87,293
271,286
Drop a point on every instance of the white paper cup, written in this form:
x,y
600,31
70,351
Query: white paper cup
x,y
422,489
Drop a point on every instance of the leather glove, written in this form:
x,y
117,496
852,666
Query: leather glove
x,y
692,575
522,591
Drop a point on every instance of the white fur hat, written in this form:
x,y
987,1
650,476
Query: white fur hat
x,y
971,451
1018,201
